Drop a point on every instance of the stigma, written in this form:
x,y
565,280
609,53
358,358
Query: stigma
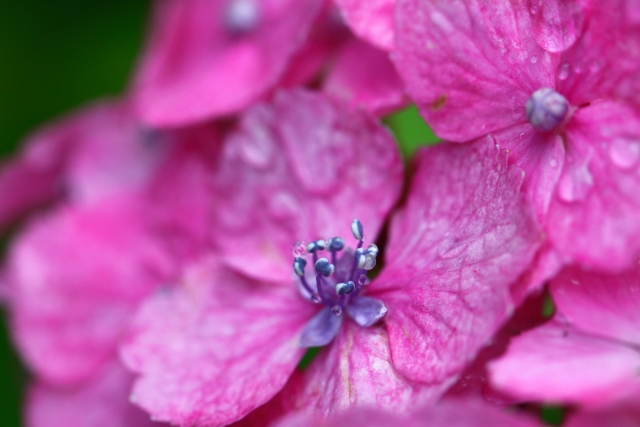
x,y
546,109
336,283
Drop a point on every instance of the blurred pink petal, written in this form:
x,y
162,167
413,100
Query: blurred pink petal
x,y
303,166
208,58
557,24
216,347
465,235
559,363
76,275
373,20
617,416
104,401
352,79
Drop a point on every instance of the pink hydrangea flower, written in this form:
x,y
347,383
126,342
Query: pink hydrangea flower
x,y
555,83
446,414
75,273
588,353
103,401
228,337
208,58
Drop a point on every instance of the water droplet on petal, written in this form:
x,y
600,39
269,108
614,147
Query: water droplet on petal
x,y
563,72
575,184
624,152
534,59
553,163
336,310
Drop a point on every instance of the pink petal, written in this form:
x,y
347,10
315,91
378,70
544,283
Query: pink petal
x,y
372,20
195,69
445,414
557,24
463,237
352,79
301,168
76,276
470,66
602,304
104,401
214,348
557,363
356,370
597,198
605,61
623,416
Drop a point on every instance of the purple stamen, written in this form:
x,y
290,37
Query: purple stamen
x,y
339,284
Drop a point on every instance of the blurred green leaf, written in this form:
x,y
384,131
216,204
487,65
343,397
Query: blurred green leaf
x,y
410,130
552,415
308,357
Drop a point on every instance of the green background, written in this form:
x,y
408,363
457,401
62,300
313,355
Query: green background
x,y
54,56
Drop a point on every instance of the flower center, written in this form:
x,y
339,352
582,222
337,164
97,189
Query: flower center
x,y
336,283
241,16
546,109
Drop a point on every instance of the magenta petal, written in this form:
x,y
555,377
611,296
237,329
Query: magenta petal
x,y
560,364
601,304
557,23
366,311
458,413
195,69
465,235
470,66
76,277
321,329
356,370
102,402
300,168
597,197
216,347
617,416
373,20
352,79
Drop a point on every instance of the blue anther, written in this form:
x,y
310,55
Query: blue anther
x,y
336,244
298,266
357,229
324,267
321,245
311,247
360,257
345,288
372,249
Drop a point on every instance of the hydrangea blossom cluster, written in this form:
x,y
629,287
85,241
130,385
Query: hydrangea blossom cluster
x,y
160,275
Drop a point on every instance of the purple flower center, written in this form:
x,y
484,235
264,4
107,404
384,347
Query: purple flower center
x,y
241,16
336,283
546,109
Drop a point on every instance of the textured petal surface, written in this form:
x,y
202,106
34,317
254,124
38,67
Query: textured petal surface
x,y
76,277
556,23
597,198
601,304
373,20
465,235
470,66
605,61
195,68
444,414
560,364
301,168
356,370
104,401
215,347
352,79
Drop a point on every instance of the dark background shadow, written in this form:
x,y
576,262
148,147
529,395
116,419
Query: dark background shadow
x,y
55,56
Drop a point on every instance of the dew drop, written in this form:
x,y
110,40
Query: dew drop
x,y
624,152
575,184
563,72
534,59
336,310
553,163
